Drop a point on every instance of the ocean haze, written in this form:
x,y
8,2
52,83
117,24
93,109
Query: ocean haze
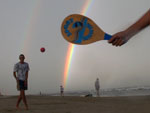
x,y
26,26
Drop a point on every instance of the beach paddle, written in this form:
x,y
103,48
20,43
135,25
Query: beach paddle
x,y
79,29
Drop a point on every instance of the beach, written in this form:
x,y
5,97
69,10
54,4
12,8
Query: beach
x,y
56,104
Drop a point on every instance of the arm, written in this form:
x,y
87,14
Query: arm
x,y
26,75
15,76
15,71
122,37
26,79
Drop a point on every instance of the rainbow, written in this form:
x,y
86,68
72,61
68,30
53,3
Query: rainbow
x,y
71,47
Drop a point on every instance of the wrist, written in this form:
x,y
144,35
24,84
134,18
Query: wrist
x,y
128,33
16,78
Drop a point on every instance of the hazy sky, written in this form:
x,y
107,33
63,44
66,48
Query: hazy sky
x,y
28,25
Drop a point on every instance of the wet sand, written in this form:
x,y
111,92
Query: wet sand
x,y
49,104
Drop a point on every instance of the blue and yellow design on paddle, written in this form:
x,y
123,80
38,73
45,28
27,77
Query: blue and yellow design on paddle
x,y
79,29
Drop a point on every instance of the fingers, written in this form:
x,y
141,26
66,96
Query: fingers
x,y
25,83
121,43
117,40
112,39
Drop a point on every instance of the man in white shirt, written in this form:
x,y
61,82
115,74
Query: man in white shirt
x,y
97,86
21,75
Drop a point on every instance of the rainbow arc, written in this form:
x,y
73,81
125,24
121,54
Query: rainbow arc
x,y
71,47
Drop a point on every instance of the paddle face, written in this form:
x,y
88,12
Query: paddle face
x,y
81,30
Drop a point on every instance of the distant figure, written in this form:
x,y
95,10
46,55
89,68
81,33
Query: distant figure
x,y
97,87
21,75
61,91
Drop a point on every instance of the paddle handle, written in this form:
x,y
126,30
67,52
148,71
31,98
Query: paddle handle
x,y
107,36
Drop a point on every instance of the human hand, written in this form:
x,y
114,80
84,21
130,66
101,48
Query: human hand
x,y
25,83
119,39
17,79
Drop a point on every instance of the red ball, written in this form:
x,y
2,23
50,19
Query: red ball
x,y
42,49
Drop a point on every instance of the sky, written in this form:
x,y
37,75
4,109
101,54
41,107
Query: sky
x,y
28,25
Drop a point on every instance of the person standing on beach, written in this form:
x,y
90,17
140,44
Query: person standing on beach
x,y
122,37
97,87
61,91
21,75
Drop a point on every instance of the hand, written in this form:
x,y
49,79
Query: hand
x,y
17,79
119,39
25,82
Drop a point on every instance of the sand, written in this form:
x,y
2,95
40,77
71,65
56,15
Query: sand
x,y
49,104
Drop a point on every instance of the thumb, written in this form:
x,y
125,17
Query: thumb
x,y
112,38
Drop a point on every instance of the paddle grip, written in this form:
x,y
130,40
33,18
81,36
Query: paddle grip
x,y
107,36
